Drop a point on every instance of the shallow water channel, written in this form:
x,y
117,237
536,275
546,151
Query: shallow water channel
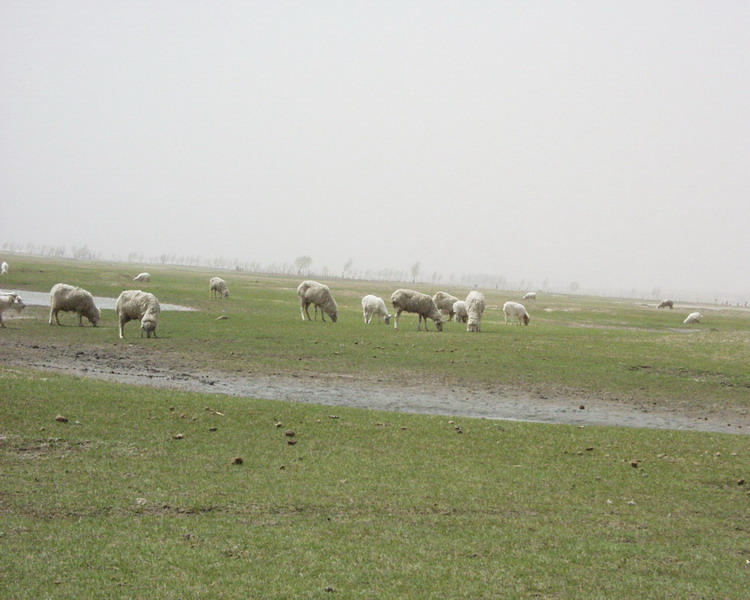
x,y
42,299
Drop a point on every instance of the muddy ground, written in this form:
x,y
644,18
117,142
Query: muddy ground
x,y
137,365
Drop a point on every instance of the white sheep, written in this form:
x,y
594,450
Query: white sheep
x,y
529,296
67,298
142,277
319,295
474,308
416,302
373,305
444,302
516,312
460,314
693,318
666,304
4,268
217,286
133,305
10,301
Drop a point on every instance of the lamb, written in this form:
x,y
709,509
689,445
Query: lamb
x,y
416,302
666,304
529,296
8,301
516,312
67,298
142,277
444,301
693,318
318,294
475,309
373,305
217,286
135,304
460,314
4,268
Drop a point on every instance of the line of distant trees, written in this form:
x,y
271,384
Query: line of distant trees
x,y
303,266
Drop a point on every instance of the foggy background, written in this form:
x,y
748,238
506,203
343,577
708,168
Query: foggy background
x,y
604,144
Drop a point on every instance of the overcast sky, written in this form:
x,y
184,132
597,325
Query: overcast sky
x,y
601,142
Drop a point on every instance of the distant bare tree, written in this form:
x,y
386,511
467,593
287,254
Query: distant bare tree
x,y
302,262
347,267
415,269
574,287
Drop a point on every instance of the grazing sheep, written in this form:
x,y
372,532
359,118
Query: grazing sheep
x,y
460,314
67,298
10,301
444,302
319,295
4,268
529,296
475,309
142,277
135,304
372,305
693,318
516,312
666,304
416,302
217,286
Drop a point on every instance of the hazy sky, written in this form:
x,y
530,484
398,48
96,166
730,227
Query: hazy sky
x,y
602,142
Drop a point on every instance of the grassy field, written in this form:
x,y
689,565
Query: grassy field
x,y
137,496
114,503
623,350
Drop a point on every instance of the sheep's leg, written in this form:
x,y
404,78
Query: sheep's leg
x,y
303,310
364,316
122,323
398,314
1,320
51,313
80,320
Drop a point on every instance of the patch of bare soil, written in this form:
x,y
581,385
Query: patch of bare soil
x,y
139,366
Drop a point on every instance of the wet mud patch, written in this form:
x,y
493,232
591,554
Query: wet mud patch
x,y
131,365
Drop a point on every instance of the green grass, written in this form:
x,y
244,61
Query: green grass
x,y
620,350
373,504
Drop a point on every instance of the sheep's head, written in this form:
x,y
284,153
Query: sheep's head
x,y
387,319
334,316
225,293
148,325
526,319
438,323
95,316
16,302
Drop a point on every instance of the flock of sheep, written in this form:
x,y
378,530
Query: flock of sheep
x,y
438,308
136,305
131,305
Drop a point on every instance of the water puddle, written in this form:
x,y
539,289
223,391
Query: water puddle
x,y
42,299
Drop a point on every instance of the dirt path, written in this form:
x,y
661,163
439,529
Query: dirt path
x,y
135,365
